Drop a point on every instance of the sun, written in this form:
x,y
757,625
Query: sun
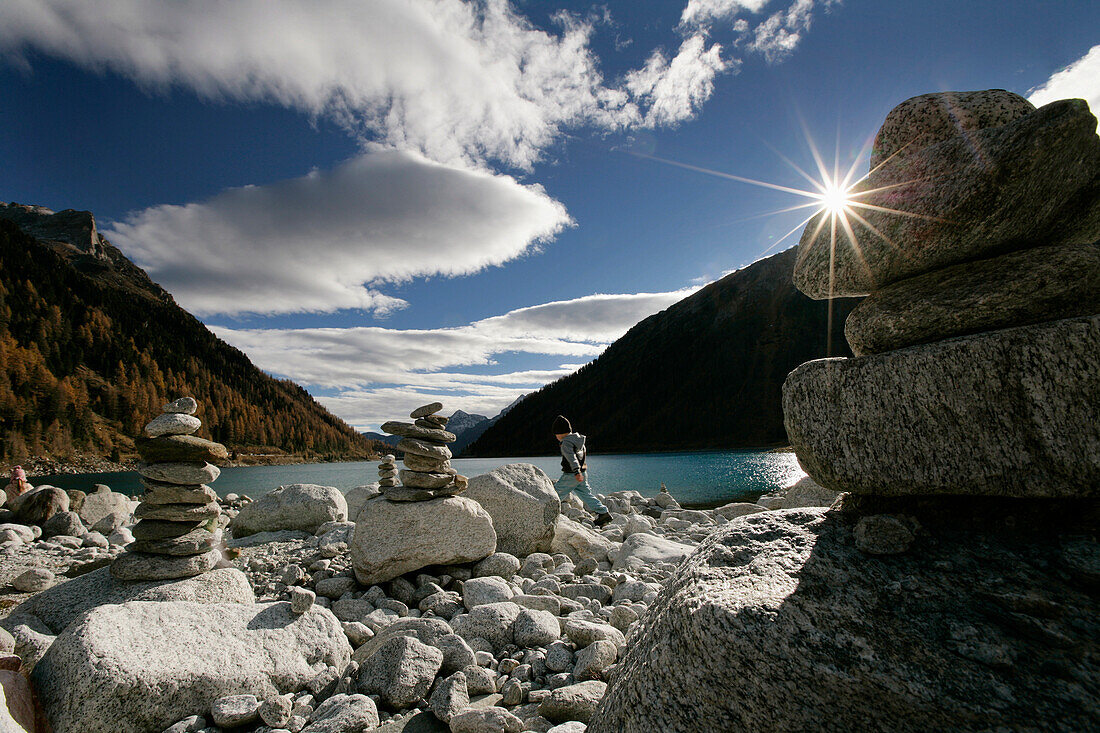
x,y
834,199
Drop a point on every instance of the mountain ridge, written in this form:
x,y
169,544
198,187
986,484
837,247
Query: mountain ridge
x,y
742,334
91,347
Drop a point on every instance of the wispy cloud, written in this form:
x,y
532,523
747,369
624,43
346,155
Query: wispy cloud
x,y
365,363
778,36
673,90
325,241
703,13
1081,79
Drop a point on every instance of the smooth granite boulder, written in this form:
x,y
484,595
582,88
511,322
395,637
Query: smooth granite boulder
x,y
932,118
394,538
1032,181
1004,413
803,493
358,496
142,666
1015,289
102,502
523,504
297,506
578,541
780,623
38,505
645,550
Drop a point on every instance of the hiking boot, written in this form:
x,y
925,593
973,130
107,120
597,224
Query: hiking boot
x,y
602,519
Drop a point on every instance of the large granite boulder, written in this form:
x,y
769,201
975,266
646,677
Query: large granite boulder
x,y
523,504
803,493
1015,289
579,542
358,496
394,538
1007,413
38,505
103,502
640,551
297,506
974,195
59,606
142,666
780,623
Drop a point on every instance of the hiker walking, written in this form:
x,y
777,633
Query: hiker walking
x,y
574,471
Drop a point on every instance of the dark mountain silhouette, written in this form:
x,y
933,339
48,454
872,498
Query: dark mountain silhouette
x,y
705,373
91,348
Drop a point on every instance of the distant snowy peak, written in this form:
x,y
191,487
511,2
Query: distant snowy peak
x,y
461,421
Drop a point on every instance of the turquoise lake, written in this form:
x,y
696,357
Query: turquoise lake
x,y
698,479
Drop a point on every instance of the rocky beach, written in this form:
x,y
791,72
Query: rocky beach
x,y
492,607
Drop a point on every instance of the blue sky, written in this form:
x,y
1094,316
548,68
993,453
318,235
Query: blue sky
x,y
396,201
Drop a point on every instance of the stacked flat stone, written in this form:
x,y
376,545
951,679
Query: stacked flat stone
x,y
387,472
427,473
175,537
976,346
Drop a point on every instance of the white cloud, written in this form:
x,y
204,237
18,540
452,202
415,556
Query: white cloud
x,y
457,81
702,13
1079,80
673,90
321,242
778,36
377,370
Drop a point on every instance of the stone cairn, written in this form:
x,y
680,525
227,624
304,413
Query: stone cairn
x,y
387,471
427,473
976,346
175,537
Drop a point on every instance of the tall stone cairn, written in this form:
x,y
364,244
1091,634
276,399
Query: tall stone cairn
x,y
427,473
176,536
976,346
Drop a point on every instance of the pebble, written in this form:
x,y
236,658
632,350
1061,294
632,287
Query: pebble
x,y
301,599
276,711
235,710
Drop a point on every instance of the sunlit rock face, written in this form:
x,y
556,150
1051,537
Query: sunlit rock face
x,y
975,350
928,119
1034,181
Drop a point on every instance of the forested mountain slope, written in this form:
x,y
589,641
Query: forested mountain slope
x,y
91,348
704,373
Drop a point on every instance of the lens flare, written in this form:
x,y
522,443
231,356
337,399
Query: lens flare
x,y
834,199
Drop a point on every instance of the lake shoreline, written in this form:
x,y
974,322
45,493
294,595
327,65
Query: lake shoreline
x,y
39,467
697,478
